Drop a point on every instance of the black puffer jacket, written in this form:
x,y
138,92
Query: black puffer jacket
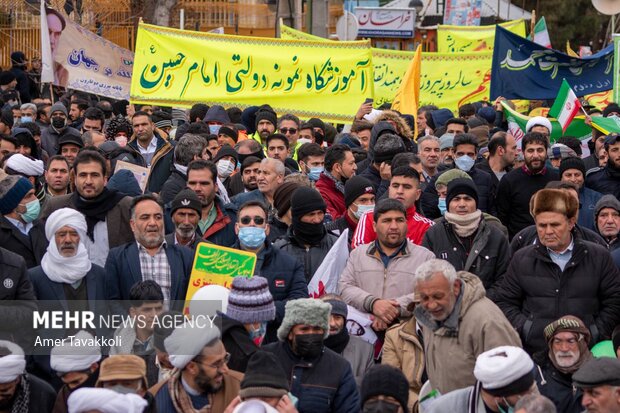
x,y
484,185
535,292
311,257
487,256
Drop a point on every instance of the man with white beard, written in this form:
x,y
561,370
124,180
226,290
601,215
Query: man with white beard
x,y
567,342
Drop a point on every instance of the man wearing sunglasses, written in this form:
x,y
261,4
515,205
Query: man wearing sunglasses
x,y
284,273
288,125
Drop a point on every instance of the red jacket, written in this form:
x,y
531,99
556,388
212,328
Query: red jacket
x,y
332,196
416,228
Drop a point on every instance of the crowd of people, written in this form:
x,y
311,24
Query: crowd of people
x,y
487,266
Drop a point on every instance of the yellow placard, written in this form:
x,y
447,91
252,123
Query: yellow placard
x,y
447,80
306,78
459,39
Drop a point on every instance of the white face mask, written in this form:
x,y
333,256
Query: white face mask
x,y
225,168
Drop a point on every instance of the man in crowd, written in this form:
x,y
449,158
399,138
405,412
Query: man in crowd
x,y
288,125
307,239
19,390
573,170
377,277
429,152
404,187
607,216
539,124
384,389
59,126
126,374
20,231
568,341
517,187
150,258
530,294
93,120
321,379
77,366
446,148
606,180
359,197
464,238
246,179
339,167
311,158
155,152
284,274
361,129
456,317
503,376
202,378
76,113
270,177
106,211
379,170
185,213
599,379
359,353
217,221
69,145
277,146
189,148
502,152
265,122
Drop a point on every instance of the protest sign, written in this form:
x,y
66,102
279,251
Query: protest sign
x,y
460,39
141,173
218,265
82,60
462,12
305,78
523,69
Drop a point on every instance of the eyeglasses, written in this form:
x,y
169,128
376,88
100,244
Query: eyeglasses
x,y
220,363
247,220
287,130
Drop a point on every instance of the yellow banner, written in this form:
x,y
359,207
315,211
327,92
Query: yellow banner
x,y
459,39
306,78
447,80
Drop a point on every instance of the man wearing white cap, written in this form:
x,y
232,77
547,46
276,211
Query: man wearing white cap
x,y
89,400
503,375
540,125
202,381
21,392
77,367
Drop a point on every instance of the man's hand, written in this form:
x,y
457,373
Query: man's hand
x,y
131,110
385,170
365,109
285,405
378,325
497,105
386,310
588,120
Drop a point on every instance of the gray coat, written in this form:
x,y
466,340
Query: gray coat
x,y
360,354
465,400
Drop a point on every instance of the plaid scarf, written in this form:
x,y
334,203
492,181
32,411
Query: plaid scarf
x,y
21,403
180,399
338,182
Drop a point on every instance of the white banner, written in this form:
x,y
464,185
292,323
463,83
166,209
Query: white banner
x,y
383,22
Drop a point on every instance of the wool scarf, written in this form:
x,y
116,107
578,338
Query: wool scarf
x,y
464,225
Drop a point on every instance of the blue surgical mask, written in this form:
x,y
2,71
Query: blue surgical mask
x,y
26,119
441,204
508,409
252,237
362,209
464,163
214,129
315,173
32,211
258,335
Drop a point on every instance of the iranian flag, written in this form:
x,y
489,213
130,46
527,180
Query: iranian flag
x,y
541,34
566,105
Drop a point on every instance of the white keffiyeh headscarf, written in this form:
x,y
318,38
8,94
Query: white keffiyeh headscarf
x,y
61,269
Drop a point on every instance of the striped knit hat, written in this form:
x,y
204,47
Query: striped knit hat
x,y
250,300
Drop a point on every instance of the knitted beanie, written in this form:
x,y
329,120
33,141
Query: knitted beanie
x,y
606,201
446,141
264,377
339,308
6,78
58,106
306,200
226,150
230,132
356,187
384,380
250,300
461,186
13,189
186,199
266,114
449,175
282,197
572,163
387,146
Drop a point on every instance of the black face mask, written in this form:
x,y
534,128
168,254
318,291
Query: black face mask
x,y
337,342
310,234
308,345
58,123
380,406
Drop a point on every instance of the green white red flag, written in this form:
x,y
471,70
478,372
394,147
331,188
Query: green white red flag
x,y
566,105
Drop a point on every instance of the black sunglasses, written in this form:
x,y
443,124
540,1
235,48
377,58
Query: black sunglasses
x,y
246,220
291,130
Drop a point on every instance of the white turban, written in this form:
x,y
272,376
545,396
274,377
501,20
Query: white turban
x,y
61,269
502,366
254,406
13,365
77,357
187,341
104,400
25,165
538,121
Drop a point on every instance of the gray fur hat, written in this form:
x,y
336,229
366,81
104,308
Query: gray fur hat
x,y
305,311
